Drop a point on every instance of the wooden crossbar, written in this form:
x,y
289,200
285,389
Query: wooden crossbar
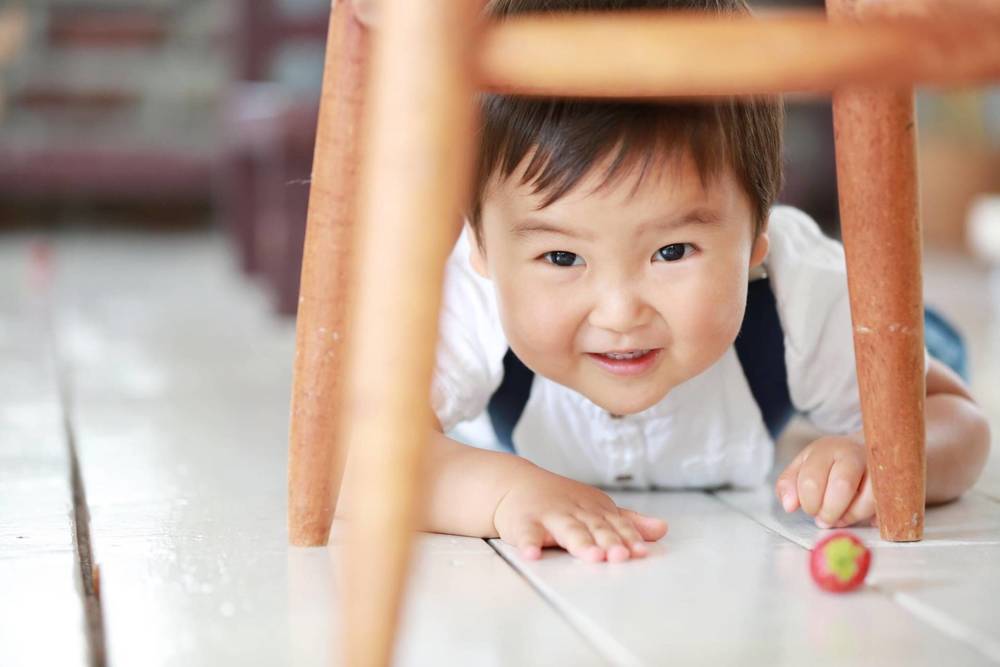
x,y
654,54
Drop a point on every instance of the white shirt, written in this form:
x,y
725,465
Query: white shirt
x,y
706,432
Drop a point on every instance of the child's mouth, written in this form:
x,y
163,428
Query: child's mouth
x,y
626,362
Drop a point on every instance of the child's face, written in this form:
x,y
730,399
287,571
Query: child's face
x,y
659,274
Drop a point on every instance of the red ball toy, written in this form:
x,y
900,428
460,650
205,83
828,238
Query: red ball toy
x,y
839,562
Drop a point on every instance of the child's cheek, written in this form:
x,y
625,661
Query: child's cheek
x,y
534,320
713,316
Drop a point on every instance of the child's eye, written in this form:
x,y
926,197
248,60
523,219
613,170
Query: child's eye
x,y
673,252
563,258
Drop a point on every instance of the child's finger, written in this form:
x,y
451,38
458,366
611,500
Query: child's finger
x,y
574,537
786,484
650,528
529,539
811,482
862,507
606,537
841,488
633,540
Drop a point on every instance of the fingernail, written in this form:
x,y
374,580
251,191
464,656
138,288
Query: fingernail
x,y
822,524
788,502
639,548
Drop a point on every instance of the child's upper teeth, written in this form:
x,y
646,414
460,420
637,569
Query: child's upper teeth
x,y
625,355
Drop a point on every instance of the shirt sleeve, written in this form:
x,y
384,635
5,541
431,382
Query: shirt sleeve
x,y
809,278
471,343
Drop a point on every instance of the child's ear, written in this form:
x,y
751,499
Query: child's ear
x,y
477,256
760,248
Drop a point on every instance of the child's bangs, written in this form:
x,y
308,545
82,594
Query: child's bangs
x,y
560,142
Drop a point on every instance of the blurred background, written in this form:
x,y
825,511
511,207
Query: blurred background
x,y
169,114
161,115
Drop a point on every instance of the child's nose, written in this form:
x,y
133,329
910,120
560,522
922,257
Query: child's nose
x,y
620,310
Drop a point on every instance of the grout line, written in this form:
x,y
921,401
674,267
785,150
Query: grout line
x,y
780,533
943,623
776,528
925,613
986,494
89,577
603,644
93,614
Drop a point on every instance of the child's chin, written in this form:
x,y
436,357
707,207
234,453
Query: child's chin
x,y
619,407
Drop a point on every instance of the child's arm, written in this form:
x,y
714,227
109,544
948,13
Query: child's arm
x,y
481,493
828,478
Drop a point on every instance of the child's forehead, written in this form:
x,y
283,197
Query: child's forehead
x,y
670,181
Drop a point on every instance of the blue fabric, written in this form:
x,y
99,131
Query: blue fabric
x,y
507,404
760,345
944,343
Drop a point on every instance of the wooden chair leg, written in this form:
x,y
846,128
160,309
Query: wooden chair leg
x,y
877,181
315,462
415,175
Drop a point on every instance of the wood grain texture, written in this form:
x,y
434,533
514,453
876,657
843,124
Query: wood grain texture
x,y
875,138
416,165
316,455
666,55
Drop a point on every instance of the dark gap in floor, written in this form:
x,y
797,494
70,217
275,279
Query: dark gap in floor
x,y
548,601
89,578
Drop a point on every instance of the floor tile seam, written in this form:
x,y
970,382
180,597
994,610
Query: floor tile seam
x,y
926,614
988,646
603,644
736,508
87,572
988,495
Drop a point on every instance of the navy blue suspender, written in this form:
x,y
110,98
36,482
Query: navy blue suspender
x,y
760,346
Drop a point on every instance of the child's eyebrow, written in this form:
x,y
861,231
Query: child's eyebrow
x,y
695,216
528,227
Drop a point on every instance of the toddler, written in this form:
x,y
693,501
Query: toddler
x,y
627,308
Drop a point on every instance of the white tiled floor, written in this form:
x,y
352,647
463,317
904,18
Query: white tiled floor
x,y
179,383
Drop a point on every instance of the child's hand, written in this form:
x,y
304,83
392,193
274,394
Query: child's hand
x,y
828,479
543,510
